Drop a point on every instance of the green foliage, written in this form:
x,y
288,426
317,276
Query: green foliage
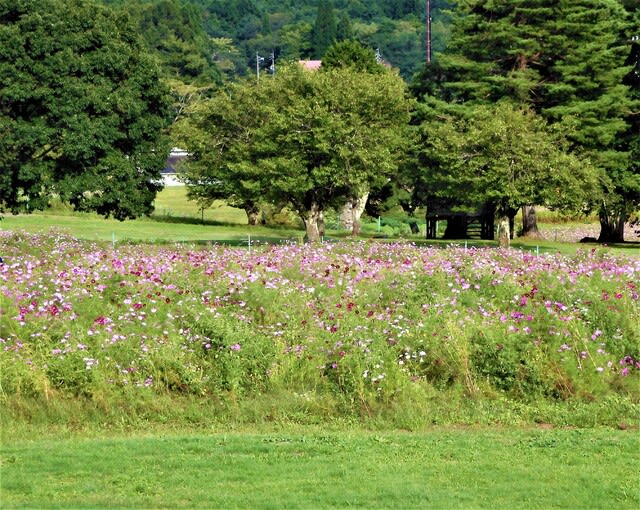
x,y
351,54
344,28
396,27
238,360
566,61
82,110
175,32
499,50
631,183
501,156
217,134
364,326
309,139
324,31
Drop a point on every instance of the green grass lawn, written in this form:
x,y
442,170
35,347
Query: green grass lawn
x,y
443,469
177,219
146,229
191,229
172,202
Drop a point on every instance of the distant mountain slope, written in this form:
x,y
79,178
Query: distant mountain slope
x,y
240,29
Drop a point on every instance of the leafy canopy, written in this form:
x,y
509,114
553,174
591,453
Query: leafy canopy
x,y
567,60
82,109
310,139
505,156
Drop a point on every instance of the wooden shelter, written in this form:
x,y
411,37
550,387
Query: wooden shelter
x,y
479,224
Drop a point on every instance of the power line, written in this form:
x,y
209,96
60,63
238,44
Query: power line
x,y
428,34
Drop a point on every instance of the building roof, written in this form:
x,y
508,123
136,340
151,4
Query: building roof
x,y
310,65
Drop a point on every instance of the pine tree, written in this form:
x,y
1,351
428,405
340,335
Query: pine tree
x,y
351,54
566,60
588,91
344,29
325,29
632,138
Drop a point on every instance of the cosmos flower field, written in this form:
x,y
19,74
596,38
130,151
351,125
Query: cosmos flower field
x,y
366,323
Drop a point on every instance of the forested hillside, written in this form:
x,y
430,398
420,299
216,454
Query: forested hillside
x,y
204,39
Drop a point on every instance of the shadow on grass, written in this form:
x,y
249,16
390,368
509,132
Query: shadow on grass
x,y
255,241
190,220
633,245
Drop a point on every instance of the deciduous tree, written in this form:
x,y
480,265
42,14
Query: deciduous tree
x,y
310,139
503,156
82,109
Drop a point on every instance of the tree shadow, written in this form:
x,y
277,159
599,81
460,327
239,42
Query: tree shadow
x,y
190,220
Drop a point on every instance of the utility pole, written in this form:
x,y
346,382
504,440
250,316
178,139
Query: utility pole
x,y
258,60
428,16
272,67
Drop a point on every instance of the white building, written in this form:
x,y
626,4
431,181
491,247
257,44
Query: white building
x,y
169,172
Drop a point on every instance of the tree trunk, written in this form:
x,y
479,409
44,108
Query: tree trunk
x,y
253,213
352,213
530,222
611,227
321,225
512,221
311,219
504,235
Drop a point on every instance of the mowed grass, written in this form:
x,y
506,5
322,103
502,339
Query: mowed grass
x,y
94,228
171,229
443,469
172,202
175,220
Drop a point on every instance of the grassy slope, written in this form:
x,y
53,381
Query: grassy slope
x,y
436,469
